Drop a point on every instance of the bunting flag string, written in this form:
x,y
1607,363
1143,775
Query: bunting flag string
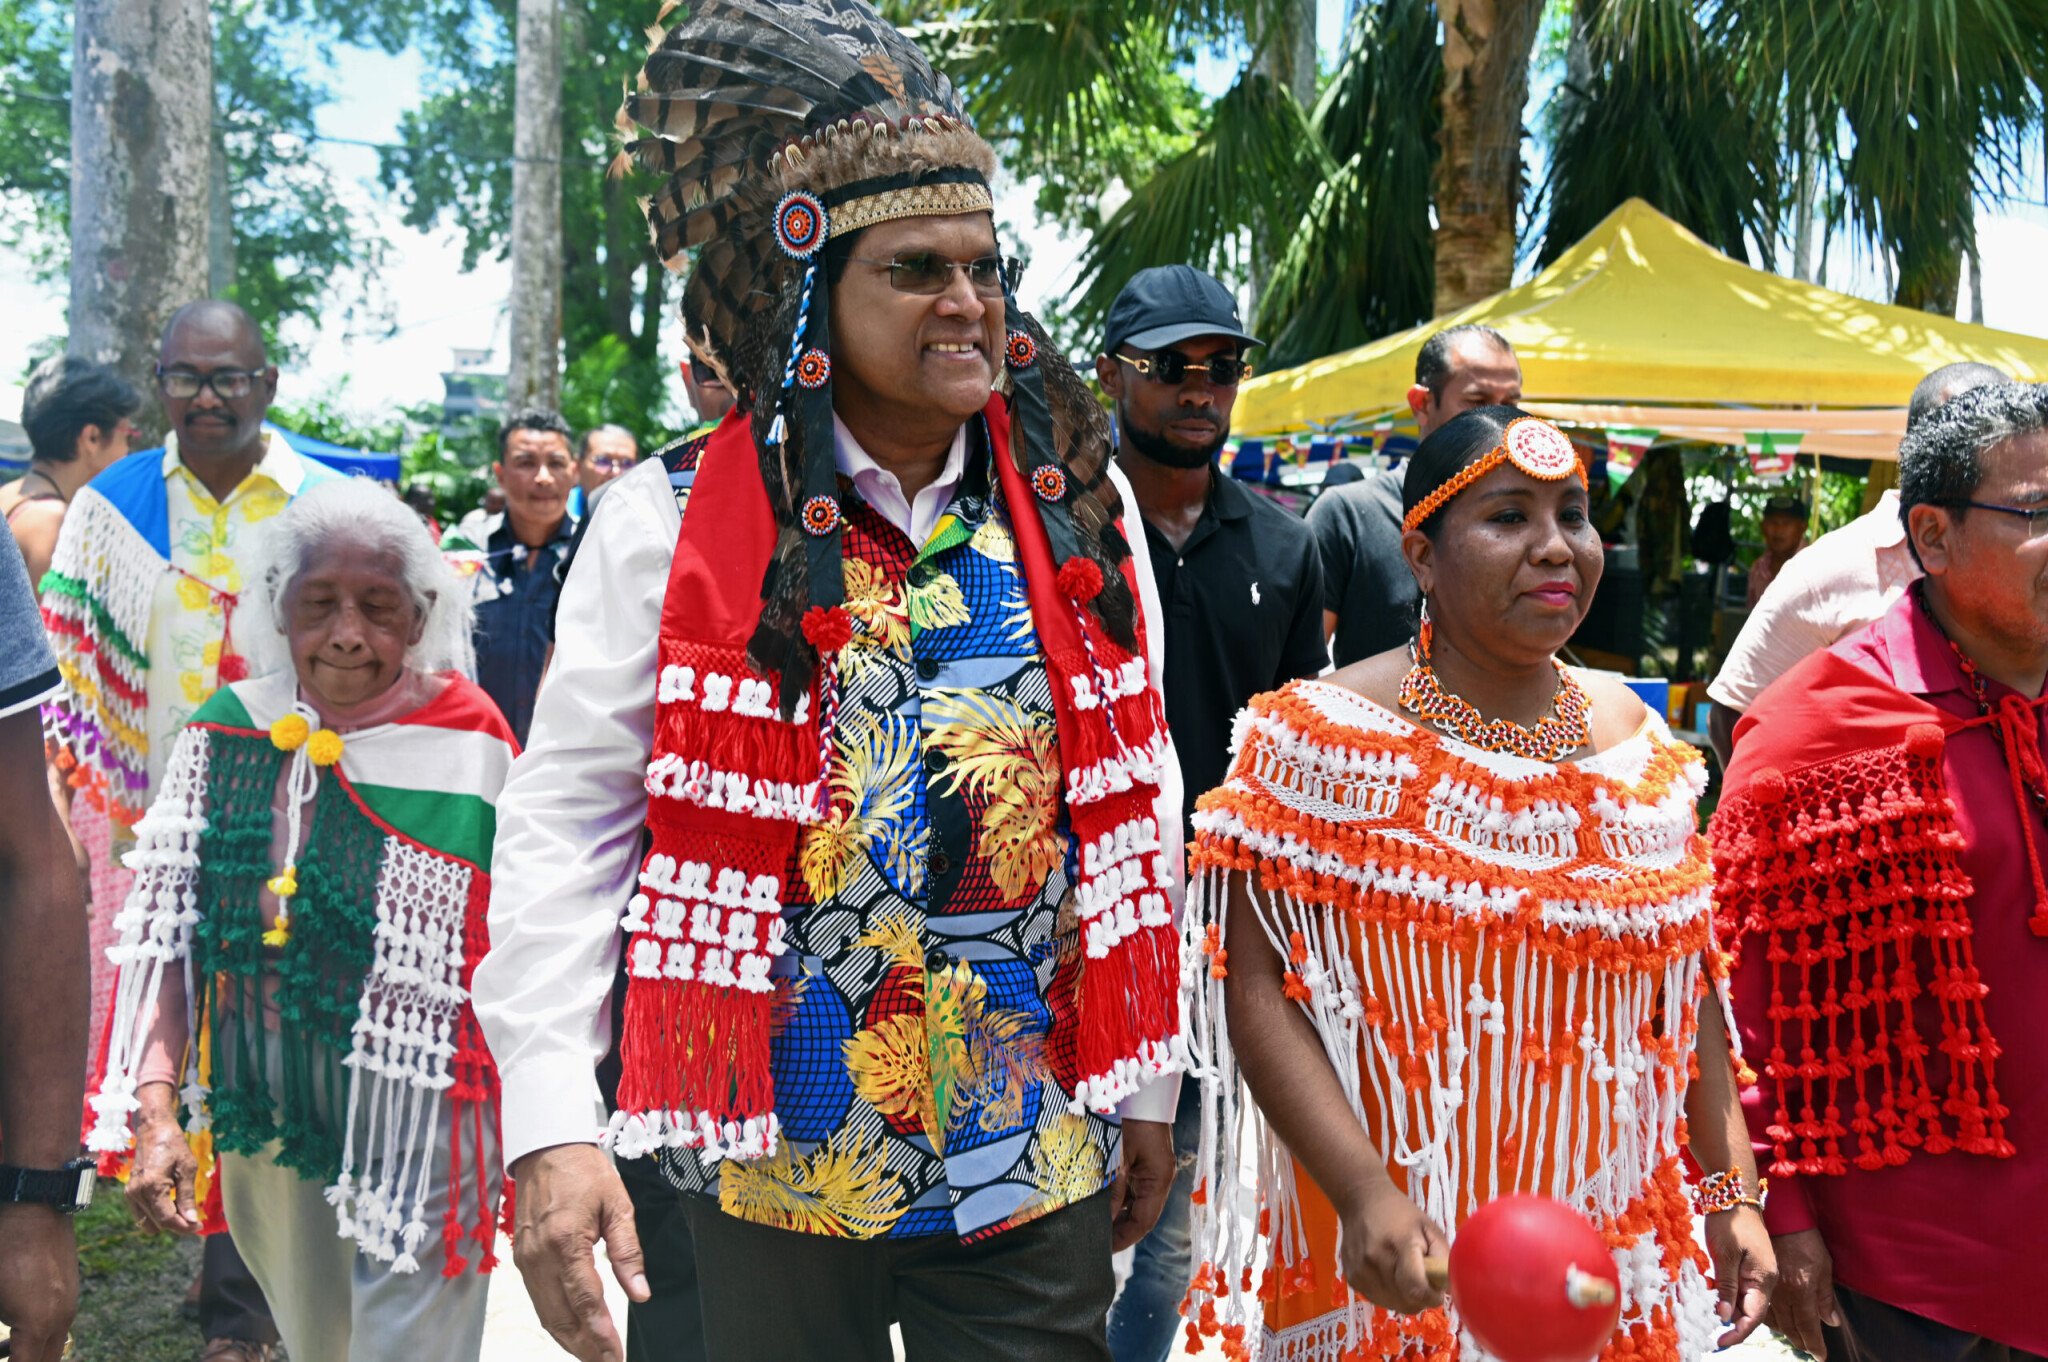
x,y
1773,453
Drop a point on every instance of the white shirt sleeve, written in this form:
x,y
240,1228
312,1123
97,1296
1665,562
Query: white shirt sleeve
x,y
1157,1099
569,825
1794,619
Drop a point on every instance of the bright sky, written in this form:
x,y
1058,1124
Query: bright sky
x,y
435,307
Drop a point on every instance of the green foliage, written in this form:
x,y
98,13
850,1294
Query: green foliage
x,y
454,168
1361,262
609,383
295,240
1656,107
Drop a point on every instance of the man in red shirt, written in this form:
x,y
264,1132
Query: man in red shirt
x,y
1879,864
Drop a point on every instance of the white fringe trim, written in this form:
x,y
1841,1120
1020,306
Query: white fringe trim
x,y
718,693
1142,765
631,1135
1121,890
682,934
1128,680
698,782
1102,1092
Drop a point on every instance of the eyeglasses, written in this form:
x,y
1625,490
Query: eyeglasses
x,y
1171,368
613,463
227,384
2035,516
928,272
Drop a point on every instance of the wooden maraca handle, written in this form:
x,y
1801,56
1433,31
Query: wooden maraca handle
x,y
1439,1270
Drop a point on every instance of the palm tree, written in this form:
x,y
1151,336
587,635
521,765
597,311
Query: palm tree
x,y
1479,174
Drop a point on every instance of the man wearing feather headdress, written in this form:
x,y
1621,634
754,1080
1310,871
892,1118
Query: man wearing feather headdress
x,y
859,766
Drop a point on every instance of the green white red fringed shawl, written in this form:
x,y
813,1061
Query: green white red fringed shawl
x,y
732,783
387,927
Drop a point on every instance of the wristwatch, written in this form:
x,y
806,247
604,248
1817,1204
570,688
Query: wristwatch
x,y
68,1189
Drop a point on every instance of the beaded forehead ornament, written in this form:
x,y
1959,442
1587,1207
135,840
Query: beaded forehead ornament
x,y
1531,444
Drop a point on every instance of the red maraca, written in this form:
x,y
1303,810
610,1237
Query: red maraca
x,y
1534,1282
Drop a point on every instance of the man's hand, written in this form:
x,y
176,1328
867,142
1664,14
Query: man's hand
x,y
1805,1298
1139,1193
1386,1239
1745,1270
160,1179
570,1198
38,1280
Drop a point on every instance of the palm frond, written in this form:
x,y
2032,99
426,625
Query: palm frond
x,y
1243,181
1662,109
1361,261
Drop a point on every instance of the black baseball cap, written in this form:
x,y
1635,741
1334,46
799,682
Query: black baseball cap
x,y
1786,505
1169,303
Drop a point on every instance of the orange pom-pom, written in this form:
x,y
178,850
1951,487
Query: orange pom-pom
x,y
828,629
1079,580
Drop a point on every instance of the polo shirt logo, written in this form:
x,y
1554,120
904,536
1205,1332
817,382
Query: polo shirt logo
x,y
1255,593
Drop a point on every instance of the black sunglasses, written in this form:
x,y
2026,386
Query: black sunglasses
x,y
1171,368
929,272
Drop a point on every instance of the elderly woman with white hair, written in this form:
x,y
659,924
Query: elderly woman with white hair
x,y
296,954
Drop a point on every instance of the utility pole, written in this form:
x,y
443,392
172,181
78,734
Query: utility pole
x,y
536,342
141,141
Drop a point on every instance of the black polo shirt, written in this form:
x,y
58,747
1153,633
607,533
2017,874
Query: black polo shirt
x,y
1243,601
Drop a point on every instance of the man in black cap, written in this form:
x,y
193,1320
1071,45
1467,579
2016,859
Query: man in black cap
x,y
1241,598
1784,531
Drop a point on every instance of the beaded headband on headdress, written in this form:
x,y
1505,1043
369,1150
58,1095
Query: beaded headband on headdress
x,y
1530,443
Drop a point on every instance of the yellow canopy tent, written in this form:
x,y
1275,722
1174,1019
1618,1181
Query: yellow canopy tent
x,y
1643,312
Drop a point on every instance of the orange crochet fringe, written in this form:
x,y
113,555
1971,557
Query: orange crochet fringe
x,y
1504,961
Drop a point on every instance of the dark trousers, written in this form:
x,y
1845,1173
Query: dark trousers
x,y
669,1327
231,1305
1037,1293
1875,1332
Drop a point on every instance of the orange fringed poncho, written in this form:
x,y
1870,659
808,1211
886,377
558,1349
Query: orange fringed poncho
x,y
1504,960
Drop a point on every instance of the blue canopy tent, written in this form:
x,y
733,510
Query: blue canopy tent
x,y
362,462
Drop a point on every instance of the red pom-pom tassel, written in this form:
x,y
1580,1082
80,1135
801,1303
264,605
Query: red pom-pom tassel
x,y
828,629
1079,580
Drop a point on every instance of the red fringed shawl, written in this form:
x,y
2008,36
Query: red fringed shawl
x,y
732,783
1836,853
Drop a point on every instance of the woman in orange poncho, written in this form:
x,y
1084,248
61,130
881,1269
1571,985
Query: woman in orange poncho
x,y
1452,912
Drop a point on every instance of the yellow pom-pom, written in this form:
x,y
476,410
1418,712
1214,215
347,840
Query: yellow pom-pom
x,y
281,931
289,733
285,883
324,747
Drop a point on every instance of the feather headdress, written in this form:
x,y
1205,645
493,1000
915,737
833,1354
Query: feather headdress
x,y
779,125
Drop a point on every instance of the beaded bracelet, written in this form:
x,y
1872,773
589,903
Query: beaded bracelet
x,y
1723,1192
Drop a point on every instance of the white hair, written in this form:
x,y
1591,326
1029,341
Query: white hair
x,y
369,519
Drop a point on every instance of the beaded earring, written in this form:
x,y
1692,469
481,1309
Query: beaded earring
x,y
1424,632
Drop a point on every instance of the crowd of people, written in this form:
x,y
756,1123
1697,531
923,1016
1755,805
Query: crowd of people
x,y
926,830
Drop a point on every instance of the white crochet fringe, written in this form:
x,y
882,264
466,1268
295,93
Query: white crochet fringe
x,y
399,1058
155,927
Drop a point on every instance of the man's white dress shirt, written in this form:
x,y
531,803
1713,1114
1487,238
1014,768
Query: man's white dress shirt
x,y
1830,589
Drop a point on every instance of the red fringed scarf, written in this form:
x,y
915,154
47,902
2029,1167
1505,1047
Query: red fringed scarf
x,y
1836,852
732,783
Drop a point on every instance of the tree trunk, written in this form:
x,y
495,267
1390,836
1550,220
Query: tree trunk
x,y
220,220
1287,55
535,378
1479,174
141,140
1806,187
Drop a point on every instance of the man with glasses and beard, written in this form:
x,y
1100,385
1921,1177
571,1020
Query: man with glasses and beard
x,y
140,603
1241,596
